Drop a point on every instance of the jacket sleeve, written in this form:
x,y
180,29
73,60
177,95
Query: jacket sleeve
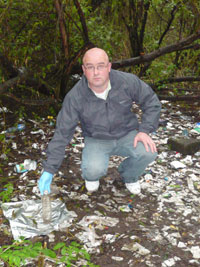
x,y
150,105
67,121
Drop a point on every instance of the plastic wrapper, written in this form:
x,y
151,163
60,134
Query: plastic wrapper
x,y
25,218
136,247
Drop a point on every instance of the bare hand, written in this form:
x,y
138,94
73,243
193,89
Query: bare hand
x,y
146,140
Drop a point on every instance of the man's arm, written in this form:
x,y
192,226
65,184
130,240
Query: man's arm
x,y
142,94
150,105
67,121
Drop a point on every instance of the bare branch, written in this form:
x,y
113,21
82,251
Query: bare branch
x,y
168,24
83,22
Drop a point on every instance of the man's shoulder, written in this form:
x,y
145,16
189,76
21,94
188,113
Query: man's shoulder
x,y
122,77
78,88
123,74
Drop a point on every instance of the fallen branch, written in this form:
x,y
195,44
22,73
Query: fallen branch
x,y
180,79
179,98
14,81
155,54
161,89
31,102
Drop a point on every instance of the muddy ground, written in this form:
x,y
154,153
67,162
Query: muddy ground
x,y
160,227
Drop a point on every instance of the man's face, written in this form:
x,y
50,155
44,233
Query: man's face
x,y
96,68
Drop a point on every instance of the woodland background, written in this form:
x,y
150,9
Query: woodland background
x,y
42,43
41,47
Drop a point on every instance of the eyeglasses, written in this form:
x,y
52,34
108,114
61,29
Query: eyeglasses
x,y
98,67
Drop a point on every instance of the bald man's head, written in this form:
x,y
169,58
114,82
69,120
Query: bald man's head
x,y
94,52
96,67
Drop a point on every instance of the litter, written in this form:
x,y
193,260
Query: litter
x,y
89,237
40,131
177,164
170,188
99,221
19,127
46,207
195,250
25,218
4,109
136,247
170,262
28,165
117,258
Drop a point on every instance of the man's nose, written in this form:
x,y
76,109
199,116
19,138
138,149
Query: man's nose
x,y
96,71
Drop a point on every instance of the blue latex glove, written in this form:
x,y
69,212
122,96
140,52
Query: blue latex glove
x,y
45,182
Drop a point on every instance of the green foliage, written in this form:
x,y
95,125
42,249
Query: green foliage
x,y
19,251
16,253
72,253
36,116
52,111
2,137
31,37
21,113
6,194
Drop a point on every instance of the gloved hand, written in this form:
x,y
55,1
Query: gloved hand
x,y
45,182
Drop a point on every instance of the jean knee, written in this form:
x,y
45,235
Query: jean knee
x,y
93,172
150,157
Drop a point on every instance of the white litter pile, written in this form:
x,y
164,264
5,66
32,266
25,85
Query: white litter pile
x,y
160,227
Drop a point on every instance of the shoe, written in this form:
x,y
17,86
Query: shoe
x,y
134,188
92,186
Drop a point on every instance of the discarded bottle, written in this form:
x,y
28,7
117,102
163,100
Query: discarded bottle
x,y
28,165
185,133
46,207
19,127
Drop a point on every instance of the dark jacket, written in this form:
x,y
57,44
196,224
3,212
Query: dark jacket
x,y
103,119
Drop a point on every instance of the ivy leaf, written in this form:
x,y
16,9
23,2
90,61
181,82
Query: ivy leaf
x,y
59,245
49,253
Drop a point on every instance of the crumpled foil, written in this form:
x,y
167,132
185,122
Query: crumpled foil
x,y
25,218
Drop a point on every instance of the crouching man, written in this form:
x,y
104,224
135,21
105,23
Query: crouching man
x,y
101,101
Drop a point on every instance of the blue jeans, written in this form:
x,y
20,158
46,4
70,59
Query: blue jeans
x,y
96,154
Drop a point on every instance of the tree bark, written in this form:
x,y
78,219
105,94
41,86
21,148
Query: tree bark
x,y
83,22
62,27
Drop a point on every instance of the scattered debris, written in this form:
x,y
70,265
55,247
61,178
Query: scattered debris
x,y
26,220
28,165
160,227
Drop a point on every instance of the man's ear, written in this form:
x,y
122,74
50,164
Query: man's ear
x,y
109,66
83,68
